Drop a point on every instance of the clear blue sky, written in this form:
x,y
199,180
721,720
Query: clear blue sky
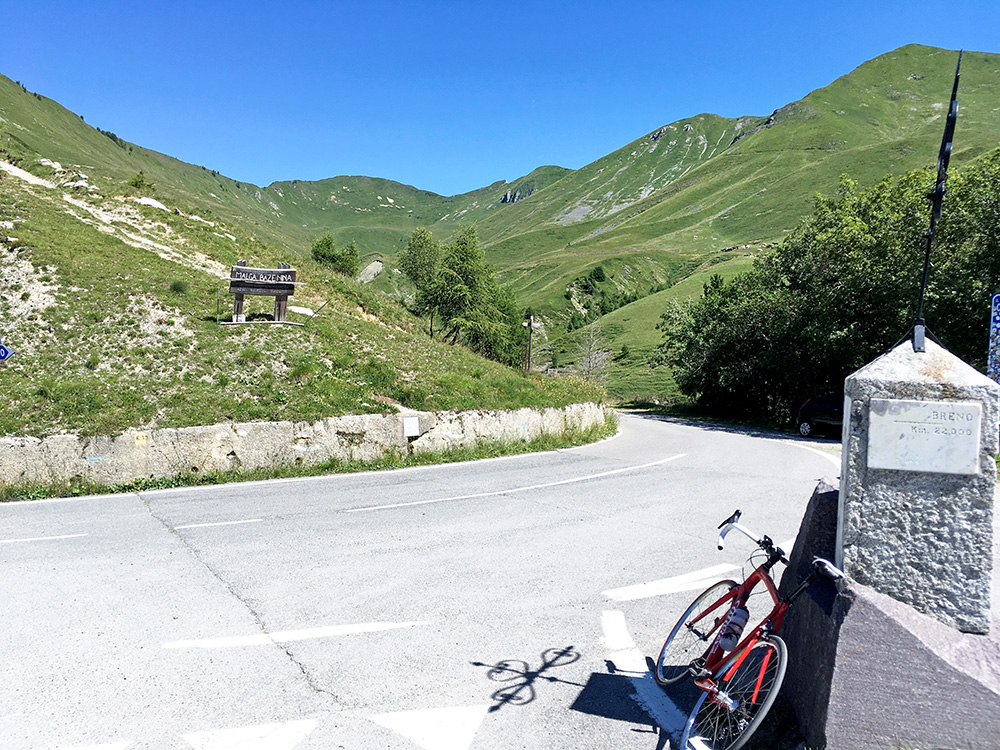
x,y
446,96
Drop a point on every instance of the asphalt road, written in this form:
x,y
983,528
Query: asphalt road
x,y
507,603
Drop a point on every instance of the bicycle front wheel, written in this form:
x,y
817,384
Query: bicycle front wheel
x,y
689,640
748,683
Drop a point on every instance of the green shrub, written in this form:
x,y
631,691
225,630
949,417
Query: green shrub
x,y
345,261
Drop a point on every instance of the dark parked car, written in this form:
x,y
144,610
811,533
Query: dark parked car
x,y
821,413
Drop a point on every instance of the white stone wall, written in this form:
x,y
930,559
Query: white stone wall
x,y
222,447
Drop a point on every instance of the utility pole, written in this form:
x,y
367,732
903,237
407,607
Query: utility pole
x,y
530,325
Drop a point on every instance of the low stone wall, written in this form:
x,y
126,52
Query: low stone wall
x,y
222,447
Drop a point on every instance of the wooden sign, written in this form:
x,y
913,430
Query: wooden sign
x,y
262,282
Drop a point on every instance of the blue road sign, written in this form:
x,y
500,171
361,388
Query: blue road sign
x,y
5,353
993,359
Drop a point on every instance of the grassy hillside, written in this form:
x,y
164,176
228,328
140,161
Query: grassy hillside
x,y
113,307
647,215
631,336
886,117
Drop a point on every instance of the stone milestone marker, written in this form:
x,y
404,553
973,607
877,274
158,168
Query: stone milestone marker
x,y
916,495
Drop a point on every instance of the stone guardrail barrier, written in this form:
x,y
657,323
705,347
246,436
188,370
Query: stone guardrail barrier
x,y
166,452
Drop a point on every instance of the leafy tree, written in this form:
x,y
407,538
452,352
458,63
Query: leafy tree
x,y
455,283
350,259
840,290
421,262
463,280
326,252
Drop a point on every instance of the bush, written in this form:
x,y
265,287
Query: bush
x,y
840,290
140,183
345,261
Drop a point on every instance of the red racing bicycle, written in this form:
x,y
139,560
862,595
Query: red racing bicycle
x,y
739,679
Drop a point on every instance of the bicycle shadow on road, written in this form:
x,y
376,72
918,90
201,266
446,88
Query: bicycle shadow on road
x,y
519,678
608,695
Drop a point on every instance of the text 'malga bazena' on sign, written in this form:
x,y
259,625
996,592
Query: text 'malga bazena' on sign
x,y
934,436
262,282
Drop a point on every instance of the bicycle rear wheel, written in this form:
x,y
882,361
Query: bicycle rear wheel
x,y
750,680
686,642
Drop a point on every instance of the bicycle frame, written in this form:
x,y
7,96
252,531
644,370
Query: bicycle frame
x,y
743,681
739,596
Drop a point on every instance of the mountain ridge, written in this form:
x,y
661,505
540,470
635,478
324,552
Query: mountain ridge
x,y
651,211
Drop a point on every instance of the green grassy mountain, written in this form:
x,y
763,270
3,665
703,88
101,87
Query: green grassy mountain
x,y
672,203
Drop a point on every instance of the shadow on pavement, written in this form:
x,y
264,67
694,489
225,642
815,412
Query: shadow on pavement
x,y
737,429
520,678
612,696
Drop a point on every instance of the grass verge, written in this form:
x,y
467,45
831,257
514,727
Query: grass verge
x,y
394,460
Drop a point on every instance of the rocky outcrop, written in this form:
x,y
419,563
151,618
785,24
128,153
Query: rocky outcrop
x,y
139,454
516,194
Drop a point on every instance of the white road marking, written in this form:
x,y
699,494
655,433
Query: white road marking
x,y
632,664
106,746
286,636
514,490
824,454
41,539
218,523
697,743
616,636
696,581
260,737
699,580
437,728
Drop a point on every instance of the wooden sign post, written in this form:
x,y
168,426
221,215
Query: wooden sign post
x,y
262,282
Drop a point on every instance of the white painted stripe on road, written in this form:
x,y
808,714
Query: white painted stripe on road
x,y
700,579
697,743
105,746
829,456
218,523
41,539
437,728
513,490
260,737
616,636
286,636
648,694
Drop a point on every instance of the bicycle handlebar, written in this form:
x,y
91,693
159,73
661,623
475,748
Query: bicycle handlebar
x,y
735,526
733,523
764,542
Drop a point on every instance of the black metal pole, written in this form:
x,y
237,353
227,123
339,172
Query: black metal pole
x,y
936,197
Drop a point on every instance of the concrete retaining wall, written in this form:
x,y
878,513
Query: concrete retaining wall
x,y
222,447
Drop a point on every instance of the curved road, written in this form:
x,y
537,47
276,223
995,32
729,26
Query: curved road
x,y
495,604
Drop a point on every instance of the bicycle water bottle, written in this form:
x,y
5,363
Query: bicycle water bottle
x,y
733,628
